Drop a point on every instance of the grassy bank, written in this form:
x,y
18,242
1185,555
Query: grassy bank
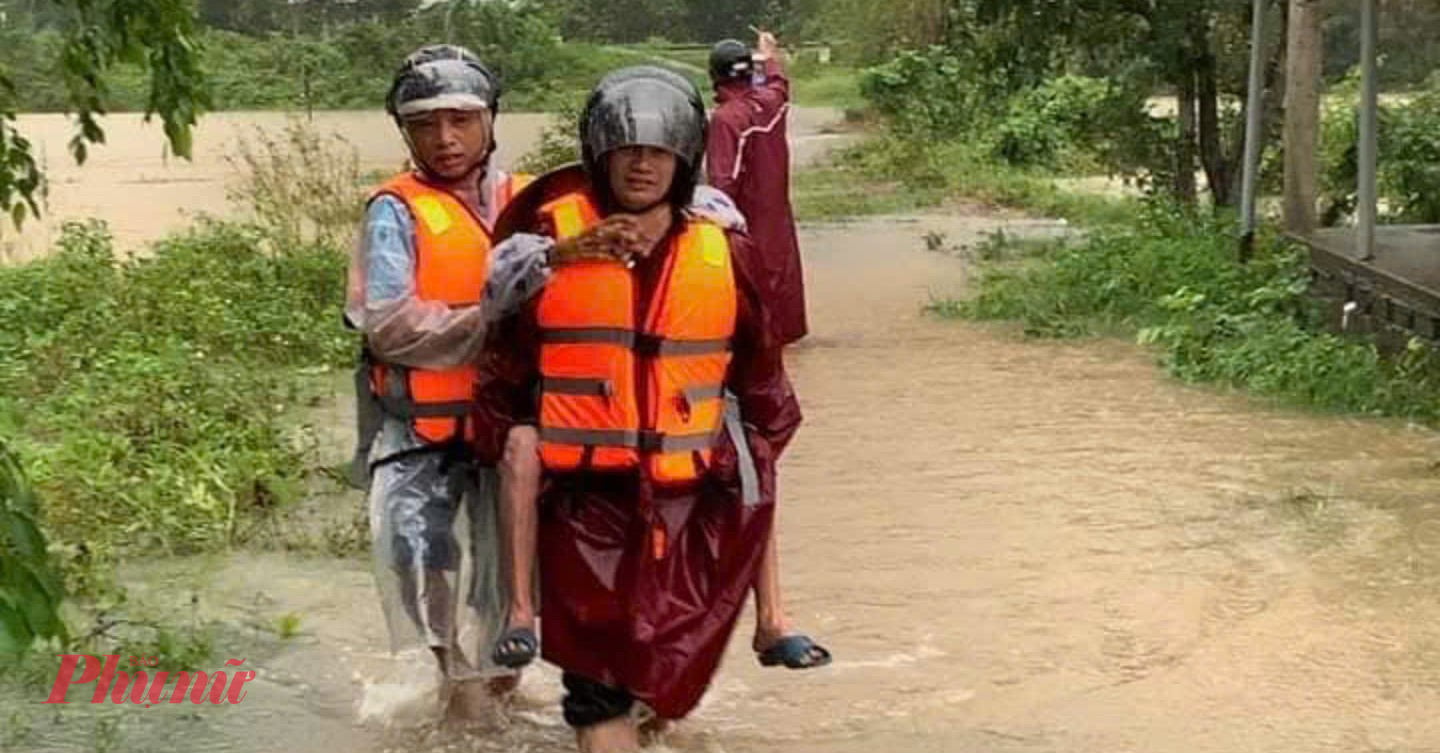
x,y
1138,268
893,173
161,404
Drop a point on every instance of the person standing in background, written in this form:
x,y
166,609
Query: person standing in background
x,y
747,155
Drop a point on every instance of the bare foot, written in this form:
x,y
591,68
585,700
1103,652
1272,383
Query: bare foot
x,y
503,685
614,736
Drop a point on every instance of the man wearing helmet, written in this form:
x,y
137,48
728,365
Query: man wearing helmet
x,y
661,403
425,284
747,156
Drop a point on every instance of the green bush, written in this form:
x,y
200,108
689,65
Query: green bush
x,y
1115,278
1173,278
1080,124
1043,127
1410,172
1408,160
149,391
930,92
559,142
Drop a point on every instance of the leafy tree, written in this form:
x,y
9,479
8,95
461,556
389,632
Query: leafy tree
x,y
95,36
1196,49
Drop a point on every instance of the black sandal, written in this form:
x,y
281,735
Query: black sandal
x,y
795,652
516,648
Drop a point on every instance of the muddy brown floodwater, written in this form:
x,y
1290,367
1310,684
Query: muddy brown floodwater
x,y
1010,546
143,192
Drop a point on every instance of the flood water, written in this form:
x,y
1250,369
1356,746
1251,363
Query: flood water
x,y
143,192
1009,546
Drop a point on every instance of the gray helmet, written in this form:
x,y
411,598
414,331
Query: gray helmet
x,y
645,106
730,59
442,77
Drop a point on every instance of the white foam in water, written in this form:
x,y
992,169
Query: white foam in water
x,y
405,696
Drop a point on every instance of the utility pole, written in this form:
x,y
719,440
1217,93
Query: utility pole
x,y
1367,193
1304,60
1254,130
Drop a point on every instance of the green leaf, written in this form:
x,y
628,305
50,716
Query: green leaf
x,y
31,589
20,538
15,635
35,603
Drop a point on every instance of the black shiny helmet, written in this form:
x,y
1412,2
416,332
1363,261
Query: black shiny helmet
x,y
442,77
644,106
730,59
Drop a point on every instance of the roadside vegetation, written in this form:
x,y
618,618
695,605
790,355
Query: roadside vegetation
x,y
1075,133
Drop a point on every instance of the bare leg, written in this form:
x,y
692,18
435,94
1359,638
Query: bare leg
x,y
614,736
519,491
771,623
434,598
439,611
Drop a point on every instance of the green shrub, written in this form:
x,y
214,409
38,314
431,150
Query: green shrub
x,y
1408,159
930,92
1044,127
1410,173
1172,277
559,142
149,391
300,186
1081,125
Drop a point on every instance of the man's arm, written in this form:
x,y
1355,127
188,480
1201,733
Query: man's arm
x,y
722,154
399,327
775,92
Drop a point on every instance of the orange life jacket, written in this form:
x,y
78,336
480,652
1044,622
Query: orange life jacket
x,y
452,249
618,394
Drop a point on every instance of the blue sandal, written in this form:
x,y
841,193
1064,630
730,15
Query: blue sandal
x,y
795,652
516,648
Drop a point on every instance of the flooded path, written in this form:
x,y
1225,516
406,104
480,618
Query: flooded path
x,y
1010,546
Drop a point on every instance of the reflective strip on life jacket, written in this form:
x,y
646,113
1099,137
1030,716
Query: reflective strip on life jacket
x,y
690,347
694,352
623,337
577,386
570,217
611,438
600,368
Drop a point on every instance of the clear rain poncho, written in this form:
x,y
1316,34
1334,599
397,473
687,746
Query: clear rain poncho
x,y
433,513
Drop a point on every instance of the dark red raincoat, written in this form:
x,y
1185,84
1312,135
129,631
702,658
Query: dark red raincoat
x,y
747,156
611,611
